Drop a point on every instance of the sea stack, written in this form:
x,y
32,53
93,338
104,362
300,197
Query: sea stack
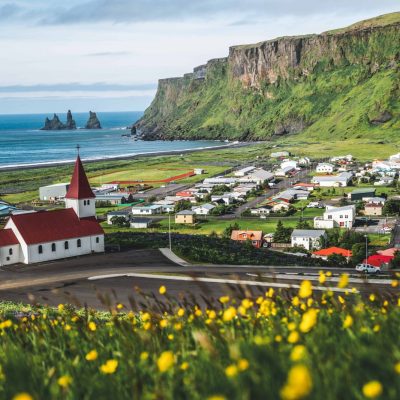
x,y
55,124
93,121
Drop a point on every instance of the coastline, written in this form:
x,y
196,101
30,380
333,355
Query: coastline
x,y
18,167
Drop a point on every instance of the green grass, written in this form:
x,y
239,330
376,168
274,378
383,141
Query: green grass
x,y
263,346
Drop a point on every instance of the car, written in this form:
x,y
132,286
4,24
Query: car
x,y
368,269
387,229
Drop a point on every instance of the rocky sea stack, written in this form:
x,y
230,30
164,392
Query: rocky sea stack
x,y
93,121
55,124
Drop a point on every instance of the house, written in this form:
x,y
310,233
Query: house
x,y
185,217
6,209
199,171
220,180
203,209
342,217
307,238
264,210
325,168
340,180
304,161
166,206
140,223
375,200
53,192
258,176
225,198
359,194
279,154
118,214
256,237
289,163
378,260
384,181
304,186
280,206
112,198
325,253
151,209
285,171
373,209
388,252
244,171
52,235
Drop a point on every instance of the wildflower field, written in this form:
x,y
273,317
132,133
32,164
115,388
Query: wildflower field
x,y
274,345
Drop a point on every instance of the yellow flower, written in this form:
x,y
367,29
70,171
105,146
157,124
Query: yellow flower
x,y
22,396
293,337
109,367
181,312
60,307
165,361
198,313
163,323
92,355
395,283
146,317
343,280
372,297
329,273
178,326
322,278
243,364
305,289
229,314
67,327
216,397
144,355
376,328
341,300
224,299
397,367
372,389
308,320
92,326
64,381
184,366
270,292
298,384
246,303
231,370
298,353
278,338
120,306
170,336
212,314
162,290
295,301
348,322
147,326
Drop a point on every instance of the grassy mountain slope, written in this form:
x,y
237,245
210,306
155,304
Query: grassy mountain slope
x,y
341,84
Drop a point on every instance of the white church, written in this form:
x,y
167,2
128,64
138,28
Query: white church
x,y
52,235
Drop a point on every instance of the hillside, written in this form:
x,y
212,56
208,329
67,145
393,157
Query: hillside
x,y
342,84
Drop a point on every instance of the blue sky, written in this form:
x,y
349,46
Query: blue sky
x,y
108,55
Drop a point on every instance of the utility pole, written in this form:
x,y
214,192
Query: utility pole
x,y
169,231
366,249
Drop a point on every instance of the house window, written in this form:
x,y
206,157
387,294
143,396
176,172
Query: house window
x,y
97,240
10,252
88,202
84,202
329,216
79,243
66,245
53,247
40,249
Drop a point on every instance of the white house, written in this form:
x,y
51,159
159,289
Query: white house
x,y
51,235
166,206
304,161
279,154
342,217
151,209
265,210
140,223
307,238
340,180
53,192
203,209
289,163
325,168
244,171
258,176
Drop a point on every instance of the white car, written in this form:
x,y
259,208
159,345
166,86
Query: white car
x,y
368,268
387,229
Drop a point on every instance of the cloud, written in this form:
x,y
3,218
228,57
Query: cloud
x,y
230,11
109,54
78,87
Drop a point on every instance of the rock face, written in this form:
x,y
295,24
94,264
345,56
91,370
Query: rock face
x,y
328,84
55,124
93,121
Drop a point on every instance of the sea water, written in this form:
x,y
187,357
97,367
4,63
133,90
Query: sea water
x,y
23,143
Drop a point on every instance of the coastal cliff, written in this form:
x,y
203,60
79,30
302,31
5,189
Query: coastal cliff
x,y
93,122
342,83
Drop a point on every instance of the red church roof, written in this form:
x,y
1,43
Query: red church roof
x,y
51,226
7,238
79,187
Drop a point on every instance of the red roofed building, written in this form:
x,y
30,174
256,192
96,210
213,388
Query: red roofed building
x,y
256,237
325,253
377,260
50,235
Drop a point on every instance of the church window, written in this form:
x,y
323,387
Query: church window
x,y
53,247
79,243
40,249
66,245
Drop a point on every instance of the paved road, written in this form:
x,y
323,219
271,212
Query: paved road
x,y
68,280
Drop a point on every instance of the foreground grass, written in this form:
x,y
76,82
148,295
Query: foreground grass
x,y
250,346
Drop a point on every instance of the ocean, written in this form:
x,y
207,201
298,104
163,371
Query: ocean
x,y
23,143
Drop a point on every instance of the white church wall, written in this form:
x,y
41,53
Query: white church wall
x,y
10,254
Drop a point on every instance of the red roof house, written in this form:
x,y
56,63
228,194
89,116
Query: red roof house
x,y
256,237
377,260
325,253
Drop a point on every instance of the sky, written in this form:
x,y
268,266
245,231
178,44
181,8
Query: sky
x,y
107,55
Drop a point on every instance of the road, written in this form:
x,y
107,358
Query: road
x,y
101,281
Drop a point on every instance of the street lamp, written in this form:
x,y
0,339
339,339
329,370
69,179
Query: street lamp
x,y
366,249
169,231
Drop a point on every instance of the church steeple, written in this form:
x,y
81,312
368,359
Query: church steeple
x,y
80,196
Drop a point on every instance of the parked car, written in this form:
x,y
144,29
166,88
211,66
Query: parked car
x,y
387,229
368,268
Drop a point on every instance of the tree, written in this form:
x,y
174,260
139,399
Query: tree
x,y
182,205
395,263
121,222
358,251
220,189
282,234
338,260
303,224
228,230
391,207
